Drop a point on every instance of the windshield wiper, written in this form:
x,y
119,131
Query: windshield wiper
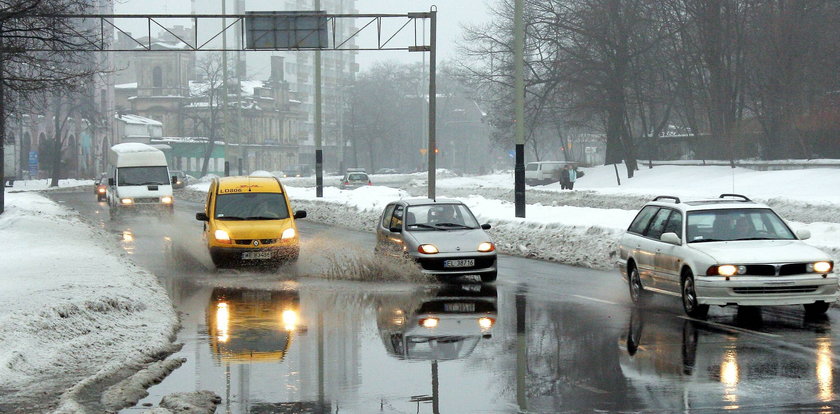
x,y
151,183
425,226
230,218
707,240
454,225
757,238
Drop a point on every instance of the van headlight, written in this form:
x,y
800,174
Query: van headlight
x,y
819,267
126,201
427,249
166,199
222,236
288,233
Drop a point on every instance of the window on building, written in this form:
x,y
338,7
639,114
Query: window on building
x,y
157,77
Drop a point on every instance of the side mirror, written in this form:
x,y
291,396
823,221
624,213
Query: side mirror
x,y
174,180
803,234
485,226
395,229
111,181
202,216
300,214
671,238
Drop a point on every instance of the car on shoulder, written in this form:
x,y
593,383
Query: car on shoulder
x,y
249,220
354,179
725,251
442,236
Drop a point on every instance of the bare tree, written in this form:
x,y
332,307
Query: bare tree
x,y
206,106
32,24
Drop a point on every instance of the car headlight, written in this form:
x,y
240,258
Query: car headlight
x,y
126,201
427,249
288,233
101,190
166,199
429,322
222,236
819,267
486,247
486,323
726,270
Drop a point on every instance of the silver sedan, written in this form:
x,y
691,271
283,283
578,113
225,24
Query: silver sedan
x,y
442,236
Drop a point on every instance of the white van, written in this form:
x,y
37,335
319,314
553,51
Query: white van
x,y
138,179
544,172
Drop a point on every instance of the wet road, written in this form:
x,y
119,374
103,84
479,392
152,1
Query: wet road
x,y
544,338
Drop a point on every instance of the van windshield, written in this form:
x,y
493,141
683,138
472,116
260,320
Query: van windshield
x,y
251,206
143,176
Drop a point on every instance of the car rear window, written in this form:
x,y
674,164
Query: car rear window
x,y
357,177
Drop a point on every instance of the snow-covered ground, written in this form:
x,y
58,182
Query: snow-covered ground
x,y
581,227
44,184
73,314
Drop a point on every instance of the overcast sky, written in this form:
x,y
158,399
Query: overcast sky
x,y
451,15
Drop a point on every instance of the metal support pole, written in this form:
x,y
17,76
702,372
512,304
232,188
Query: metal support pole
x,y
319,154
224,85
432,100
519,107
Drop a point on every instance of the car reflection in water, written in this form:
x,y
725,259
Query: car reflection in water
x,y
664,357
446,324
251,325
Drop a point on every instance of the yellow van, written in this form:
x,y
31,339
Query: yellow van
x,y
249,221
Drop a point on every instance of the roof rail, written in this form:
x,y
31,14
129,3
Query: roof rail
x,y
742,197
676,199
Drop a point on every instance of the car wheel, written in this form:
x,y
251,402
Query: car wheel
x,y
816,308
637,292
488,277
689,299
218,261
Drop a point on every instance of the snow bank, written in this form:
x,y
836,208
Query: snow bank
x,y
44,184
72,313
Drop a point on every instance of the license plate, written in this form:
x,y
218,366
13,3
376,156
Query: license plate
x,y
256,255
459,307
459,263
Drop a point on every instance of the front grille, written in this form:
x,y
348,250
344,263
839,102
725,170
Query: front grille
x,y
786,269
251,241
792,269
437,264
146,200
774,289
761,270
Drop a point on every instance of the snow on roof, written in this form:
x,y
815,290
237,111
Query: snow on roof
x,y
131,85
138,120
249,85
164,46
130,147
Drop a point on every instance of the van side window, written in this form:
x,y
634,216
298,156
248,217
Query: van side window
x,y
397,218
210,192
386,217
640,223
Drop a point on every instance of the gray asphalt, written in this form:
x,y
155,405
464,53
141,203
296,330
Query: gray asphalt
x,y
565,339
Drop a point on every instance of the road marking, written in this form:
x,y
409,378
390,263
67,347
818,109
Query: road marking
x,y
730,328
595,300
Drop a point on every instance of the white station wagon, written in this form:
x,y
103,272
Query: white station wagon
x,y
725,251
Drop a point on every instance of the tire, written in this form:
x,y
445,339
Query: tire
x,y
689,299
634,282
488,277
218,261
816,308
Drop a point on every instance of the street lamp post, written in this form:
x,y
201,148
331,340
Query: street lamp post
x,y
519,103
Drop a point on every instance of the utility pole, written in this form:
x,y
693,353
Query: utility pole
x,y
240,73
319,152
224,83
519,106
432,100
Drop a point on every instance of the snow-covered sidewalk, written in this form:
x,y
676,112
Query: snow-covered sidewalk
x,y
73,314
